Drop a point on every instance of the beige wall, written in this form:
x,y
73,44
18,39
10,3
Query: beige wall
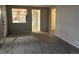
x,y
44,20
67,24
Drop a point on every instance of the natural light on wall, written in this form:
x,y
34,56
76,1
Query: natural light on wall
x,y
53,19
19,15
35,20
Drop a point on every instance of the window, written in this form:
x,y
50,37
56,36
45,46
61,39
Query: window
x,y
19,15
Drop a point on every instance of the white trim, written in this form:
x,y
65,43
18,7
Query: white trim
x,y
70,42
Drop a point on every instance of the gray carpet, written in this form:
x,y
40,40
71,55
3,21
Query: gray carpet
x,y
36,44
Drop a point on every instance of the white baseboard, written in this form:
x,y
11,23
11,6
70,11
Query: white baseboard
x,y
70,42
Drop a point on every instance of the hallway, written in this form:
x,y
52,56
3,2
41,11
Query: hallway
x,y
35,43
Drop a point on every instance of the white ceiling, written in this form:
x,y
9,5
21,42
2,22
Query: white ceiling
x,y
41,5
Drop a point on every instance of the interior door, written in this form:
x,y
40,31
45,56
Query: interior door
x,y
21,20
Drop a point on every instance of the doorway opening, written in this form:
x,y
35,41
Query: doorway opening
x,y
35,20
53,19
